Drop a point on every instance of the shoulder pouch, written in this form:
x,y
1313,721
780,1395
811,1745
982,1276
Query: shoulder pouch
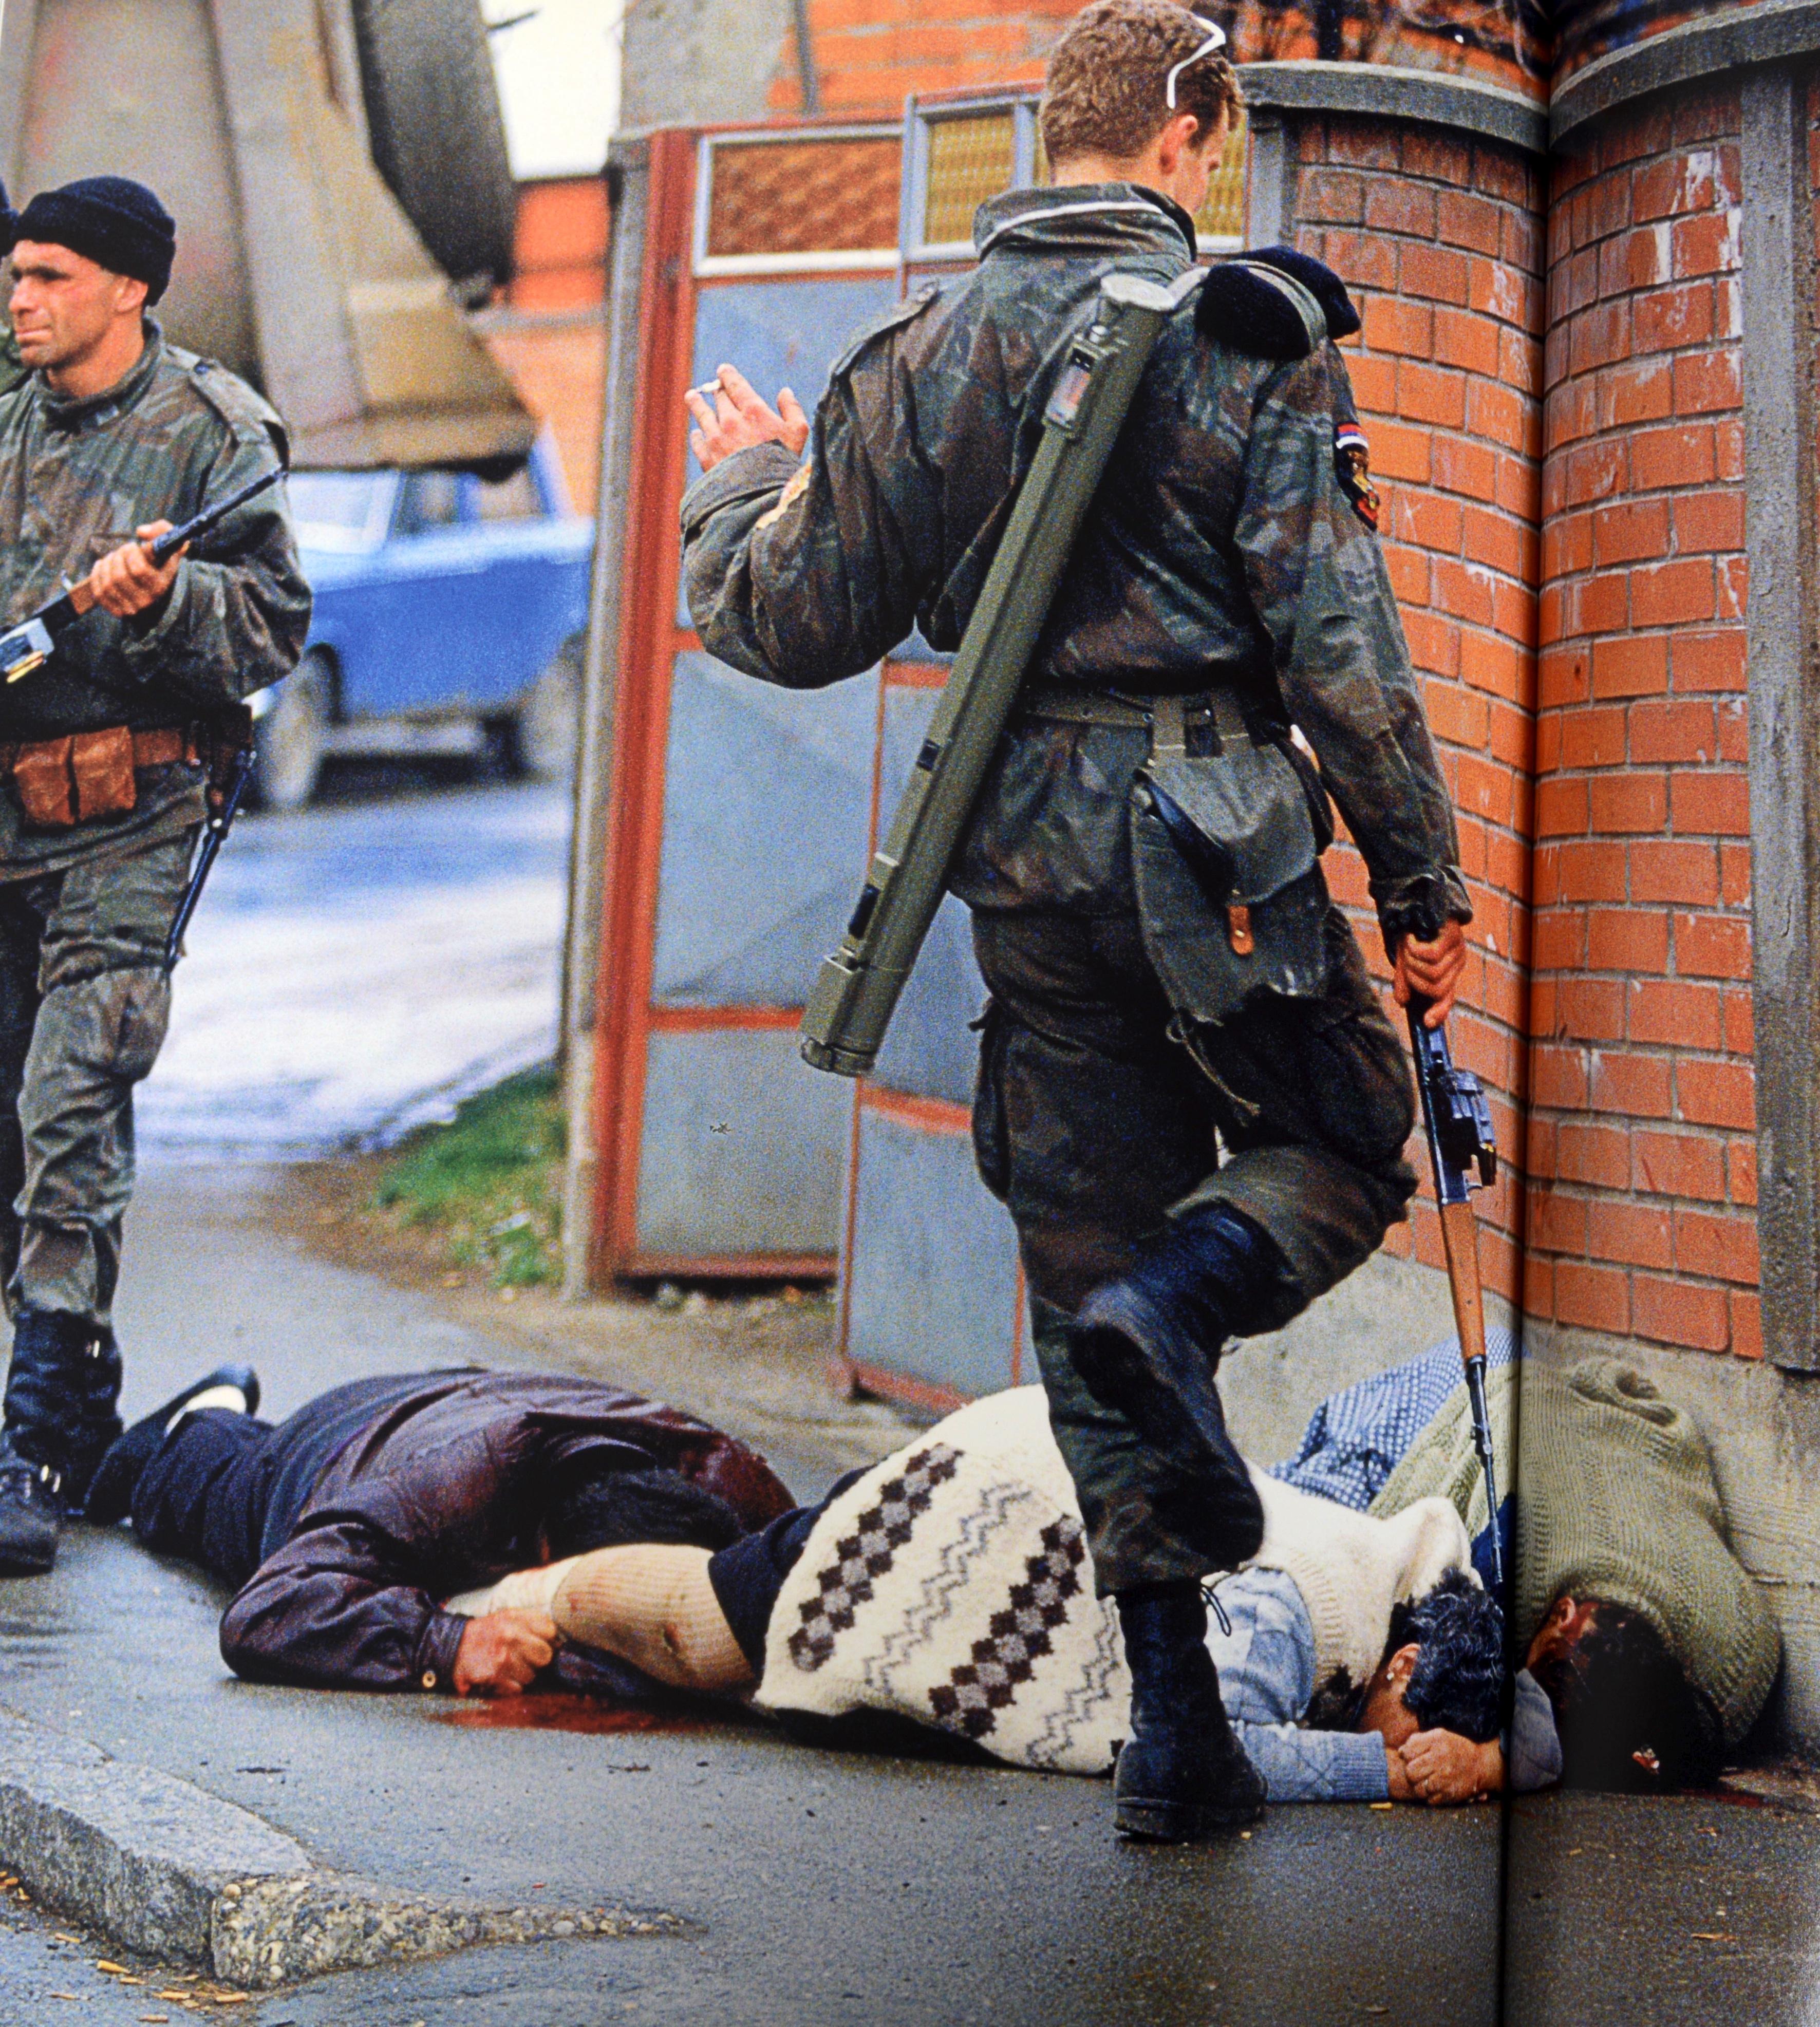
x,y
1226,854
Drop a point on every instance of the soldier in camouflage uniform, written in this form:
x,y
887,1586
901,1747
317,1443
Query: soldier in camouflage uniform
x,y
115,437
1229,564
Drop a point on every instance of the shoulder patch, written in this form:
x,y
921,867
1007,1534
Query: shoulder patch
x,y
247,415
894,319
1257,309
1352,468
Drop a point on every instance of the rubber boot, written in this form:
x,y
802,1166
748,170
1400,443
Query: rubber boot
x,y
1148,1345
1181,1776
44,1399
116,1478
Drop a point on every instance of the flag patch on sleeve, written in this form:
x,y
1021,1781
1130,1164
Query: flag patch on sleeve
x,y
1352,468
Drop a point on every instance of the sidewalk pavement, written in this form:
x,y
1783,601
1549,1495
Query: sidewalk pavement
x,y
805,1888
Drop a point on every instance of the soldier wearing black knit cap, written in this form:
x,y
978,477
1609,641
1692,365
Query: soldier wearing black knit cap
x,y
114,436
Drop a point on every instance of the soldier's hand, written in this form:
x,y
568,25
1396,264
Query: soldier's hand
x,y
502,1653
741,417
126,581
1432,970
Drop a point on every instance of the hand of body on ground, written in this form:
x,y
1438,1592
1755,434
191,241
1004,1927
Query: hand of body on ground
x,y
741,417
502,1654
1441,1768
127,582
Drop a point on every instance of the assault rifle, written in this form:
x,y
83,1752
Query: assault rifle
x,y
1461,1140
858,988
29,646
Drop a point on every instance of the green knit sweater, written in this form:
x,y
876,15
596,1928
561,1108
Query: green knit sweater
x,y
1616,1500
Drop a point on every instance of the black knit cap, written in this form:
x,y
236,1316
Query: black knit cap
x,y
117,223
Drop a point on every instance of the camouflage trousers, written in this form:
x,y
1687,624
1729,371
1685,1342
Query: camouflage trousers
x,y
1095,1127
84,1003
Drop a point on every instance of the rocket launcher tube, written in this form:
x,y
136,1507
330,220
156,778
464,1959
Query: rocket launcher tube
x,y
857,990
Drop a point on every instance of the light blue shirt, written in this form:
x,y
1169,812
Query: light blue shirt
x,y
1267,1681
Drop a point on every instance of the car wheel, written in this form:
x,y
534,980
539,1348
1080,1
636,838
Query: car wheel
x,y
549,720
289,741
437,134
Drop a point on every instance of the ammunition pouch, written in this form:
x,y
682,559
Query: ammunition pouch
x,y
61,782
1227,825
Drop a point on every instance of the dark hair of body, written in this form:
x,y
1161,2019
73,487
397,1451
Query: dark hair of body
x,y
1103,94
1458,1683
618,1507
1629,1720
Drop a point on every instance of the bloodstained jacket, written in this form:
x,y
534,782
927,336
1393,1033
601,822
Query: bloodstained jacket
x,y
1221,549
443,1490
77,477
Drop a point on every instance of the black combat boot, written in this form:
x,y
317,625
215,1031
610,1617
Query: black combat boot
x,y
1181,1776
45,1393
116,1478
1148,1345
101,1426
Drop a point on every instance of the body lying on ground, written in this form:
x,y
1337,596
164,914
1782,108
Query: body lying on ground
x,y
950,1587
342,1529
1654,1645
473,1532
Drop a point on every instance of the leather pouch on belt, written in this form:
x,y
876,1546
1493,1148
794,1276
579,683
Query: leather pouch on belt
x,y
1227,859
65,782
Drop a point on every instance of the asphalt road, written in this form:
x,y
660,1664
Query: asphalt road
x,y
821,1888
355,968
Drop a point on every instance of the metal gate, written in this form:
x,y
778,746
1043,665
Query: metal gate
x,y
741,815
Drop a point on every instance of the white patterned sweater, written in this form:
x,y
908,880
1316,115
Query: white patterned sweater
x,y
951,1584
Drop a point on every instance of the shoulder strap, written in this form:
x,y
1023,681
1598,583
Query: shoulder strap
x,y
247,416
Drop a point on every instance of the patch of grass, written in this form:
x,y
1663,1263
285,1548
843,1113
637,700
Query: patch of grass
x,y
489,1182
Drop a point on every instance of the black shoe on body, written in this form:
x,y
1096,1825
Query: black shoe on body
x,y
31,1513
116,1478
1181,1776
1148,1345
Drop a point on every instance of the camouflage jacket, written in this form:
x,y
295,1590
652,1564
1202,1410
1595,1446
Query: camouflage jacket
x,y
1221,549
76,478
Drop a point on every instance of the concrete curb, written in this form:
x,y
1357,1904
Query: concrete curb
x,y
161,1866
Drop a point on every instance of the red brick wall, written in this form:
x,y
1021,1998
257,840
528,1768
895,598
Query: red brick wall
x,y
1439,238
1642,1155
549,331
870,54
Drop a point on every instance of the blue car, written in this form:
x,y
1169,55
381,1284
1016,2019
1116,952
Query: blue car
x,y
449,613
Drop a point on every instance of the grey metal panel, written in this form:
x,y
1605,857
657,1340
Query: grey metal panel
x,y
928,1049
743,1146
933,1275
779,334
767,801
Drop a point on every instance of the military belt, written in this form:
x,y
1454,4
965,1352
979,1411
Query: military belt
x,y
1167,718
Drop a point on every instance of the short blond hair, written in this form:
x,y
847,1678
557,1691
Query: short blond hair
x,y
1104,91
